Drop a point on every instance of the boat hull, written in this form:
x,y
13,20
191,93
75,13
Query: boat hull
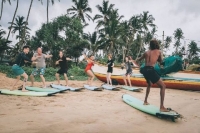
x,y
140,81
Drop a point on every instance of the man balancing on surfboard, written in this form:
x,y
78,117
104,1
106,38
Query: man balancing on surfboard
x,y
39,57
151,57
62,61
17,70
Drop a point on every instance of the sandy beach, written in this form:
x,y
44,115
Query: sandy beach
x,y
94,112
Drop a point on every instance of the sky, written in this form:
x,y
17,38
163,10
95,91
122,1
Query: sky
x,y
169,15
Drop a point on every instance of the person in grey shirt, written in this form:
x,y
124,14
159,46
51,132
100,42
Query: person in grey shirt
x,y
39,57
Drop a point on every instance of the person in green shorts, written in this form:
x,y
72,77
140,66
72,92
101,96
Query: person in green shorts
x,y
17,70
39,57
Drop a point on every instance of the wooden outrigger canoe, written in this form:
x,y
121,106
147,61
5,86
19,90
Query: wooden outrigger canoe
x,y
140,81
171,82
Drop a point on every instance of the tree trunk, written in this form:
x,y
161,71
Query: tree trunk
x,y
140,49
12,20
24,32
111,48
1,8
47,11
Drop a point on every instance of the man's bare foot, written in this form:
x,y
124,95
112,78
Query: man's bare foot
x,y
44,86
145,103
164,110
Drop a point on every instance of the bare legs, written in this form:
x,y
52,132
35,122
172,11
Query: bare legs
x,y
24,84
32,79
108,77
58,78
162,95
147,93
42,78
129,81
43,81
90,77
66,79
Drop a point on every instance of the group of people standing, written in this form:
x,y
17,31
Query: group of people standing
x,y
151,56
110,64
38,60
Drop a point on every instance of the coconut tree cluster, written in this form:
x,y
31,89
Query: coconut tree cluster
x,y
112,33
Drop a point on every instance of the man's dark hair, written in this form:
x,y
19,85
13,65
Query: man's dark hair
x,y
154,44
26,46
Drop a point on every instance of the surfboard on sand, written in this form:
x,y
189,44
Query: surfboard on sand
x,y
92,88
150,109
132,88
61,87
38,89
28,93
109,87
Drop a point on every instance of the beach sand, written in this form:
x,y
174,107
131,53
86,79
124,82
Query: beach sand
x,y
94,112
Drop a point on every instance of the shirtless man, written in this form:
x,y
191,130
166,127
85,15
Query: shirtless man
x,y
39,57
151,57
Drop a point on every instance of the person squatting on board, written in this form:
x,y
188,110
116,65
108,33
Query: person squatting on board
x,y
110,65
151,57
17,70
90,63
62,61
39,57
128,65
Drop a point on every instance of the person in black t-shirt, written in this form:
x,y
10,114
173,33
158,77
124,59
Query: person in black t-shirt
x,y
17,70
62,61
110,65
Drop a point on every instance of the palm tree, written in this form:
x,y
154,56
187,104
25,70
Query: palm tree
x,y
4,44
18,26
105,10
80,10
3,1
52,2
94,41
111,32
193,50
146,22
137,47
178,35
168,40
26,23
12,20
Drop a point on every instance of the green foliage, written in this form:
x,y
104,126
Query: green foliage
x,y
74,73
71,42
103,60
193,67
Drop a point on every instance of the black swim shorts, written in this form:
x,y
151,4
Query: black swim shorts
x,y
150,74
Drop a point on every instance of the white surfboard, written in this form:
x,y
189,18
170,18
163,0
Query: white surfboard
x,y
92,88
28,93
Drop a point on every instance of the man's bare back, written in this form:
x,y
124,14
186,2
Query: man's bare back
x,y
152,56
